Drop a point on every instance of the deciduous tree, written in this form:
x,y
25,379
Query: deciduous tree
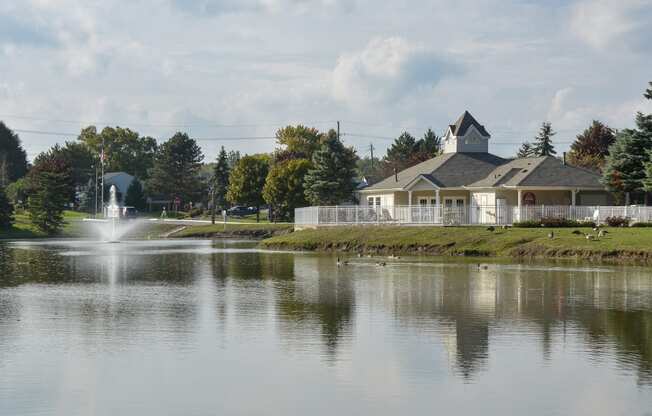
x,y
592,146
297,142
6,210
247,180
284,190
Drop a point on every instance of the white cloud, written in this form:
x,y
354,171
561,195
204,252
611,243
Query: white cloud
x,y
387,69
605,24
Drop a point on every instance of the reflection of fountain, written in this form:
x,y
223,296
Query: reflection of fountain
x,y
111,228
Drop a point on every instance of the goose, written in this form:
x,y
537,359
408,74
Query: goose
x,y
342,262
551,235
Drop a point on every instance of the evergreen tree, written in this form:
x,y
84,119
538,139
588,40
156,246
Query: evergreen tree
x,y
427,147
625,165
220,182
284,188
525,150
330,181
6,210
592,146
401,153
542,145
50,183
135,196
247,180
13,158
648,92
176,169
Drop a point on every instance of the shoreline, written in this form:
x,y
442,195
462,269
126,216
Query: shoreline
x,y
619,245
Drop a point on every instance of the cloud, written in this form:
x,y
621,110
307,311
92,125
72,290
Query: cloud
x,y
606,24
387,69
209,8
19,32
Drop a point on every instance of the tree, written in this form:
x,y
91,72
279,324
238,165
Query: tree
x,y
50,183
542,145
625,166
176,169
6,210
284,190
592,146
233,157
401,153
135,196
247,180
17,192
297,142
648,92
427,147
330,181
220,182
13,158
525,150
124,149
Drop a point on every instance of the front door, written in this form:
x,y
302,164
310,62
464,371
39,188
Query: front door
x,y
454,212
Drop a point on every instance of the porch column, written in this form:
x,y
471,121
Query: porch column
x,y
437,206
573,195
518,204
409,206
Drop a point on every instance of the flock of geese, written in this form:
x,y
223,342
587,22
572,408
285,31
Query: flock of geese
x,y
600,233
341,262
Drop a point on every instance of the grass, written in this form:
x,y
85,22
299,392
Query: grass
x,y
262,230
617,244
23,228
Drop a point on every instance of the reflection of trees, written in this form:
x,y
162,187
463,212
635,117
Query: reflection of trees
x,y
323,296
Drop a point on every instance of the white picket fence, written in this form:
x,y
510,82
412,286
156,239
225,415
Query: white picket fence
x,y
468,215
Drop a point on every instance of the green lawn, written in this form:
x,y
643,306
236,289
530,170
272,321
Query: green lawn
x,y
262,230
619,243
23,228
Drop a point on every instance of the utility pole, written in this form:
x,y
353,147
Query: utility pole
x,y
338,129
102,164
95,216
371,149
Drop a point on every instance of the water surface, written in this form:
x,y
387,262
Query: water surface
x,y
202,327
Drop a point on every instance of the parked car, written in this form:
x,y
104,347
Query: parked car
x,y
240,211
130,212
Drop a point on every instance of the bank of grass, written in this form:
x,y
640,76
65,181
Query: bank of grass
x,y
23,228
618,244
261,230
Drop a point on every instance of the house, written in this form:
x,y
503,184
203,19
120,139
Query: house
x,y
121,180
467,176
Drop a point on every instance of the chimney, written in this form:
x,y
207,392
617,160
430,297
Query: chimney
x,y
395,175
563,158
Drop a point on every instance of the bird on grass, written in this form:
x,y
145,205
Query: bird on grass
x,y
482,266
551,235
342,262
491,228
381,264
590,237
576,232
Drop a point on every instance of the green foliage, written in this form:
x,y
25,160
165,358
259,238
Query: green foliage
x,y
401,153
221,179
427,147
80,158
648,92
542,145
284,189
592,146
233,157
176,169
50,182
525,150
17,192
330,181
6,210
124,149
135,196
247,180
13,158
298,142
50,158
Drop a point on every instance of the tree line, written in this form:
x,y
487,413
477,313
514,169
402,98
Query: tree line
x,y
308,167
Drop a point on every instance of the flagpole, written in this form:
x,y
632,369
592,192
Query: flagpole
x,y
102,160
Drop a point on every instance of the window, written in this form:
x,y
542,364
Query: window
x,y
423,202
377,201
433,201
370,201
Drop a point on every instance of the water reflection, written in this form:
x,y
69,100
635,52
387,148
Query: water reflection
x,y
420,322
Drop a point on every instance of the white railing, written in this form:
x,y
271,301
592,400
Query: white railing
x,y
467,215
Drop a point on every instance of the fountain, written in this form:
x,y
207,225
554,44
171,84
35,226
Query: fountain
x,y
111,228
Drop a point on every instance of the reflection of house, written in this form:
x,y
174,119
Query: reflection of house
x,y
121,180
466,174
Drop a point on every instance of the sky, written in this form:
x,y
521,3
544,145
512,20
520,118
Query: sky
x,y
240,69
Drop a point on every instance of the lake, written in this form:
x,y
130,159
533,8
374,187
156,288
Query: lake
x,y
220,327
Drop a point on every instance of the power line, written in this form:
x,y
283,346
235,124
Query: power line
x,y
55,133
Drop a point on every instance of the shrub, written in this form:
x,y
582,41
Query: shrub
x,y
553,222
195,212
617,221
641,224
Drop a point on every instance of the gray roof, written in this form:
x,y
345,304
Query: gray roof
x,y
446,171
484,170
463,123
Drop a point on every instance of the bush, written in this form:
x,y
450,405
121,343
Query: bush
x,y
195,212
553,222
616,221
641,224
